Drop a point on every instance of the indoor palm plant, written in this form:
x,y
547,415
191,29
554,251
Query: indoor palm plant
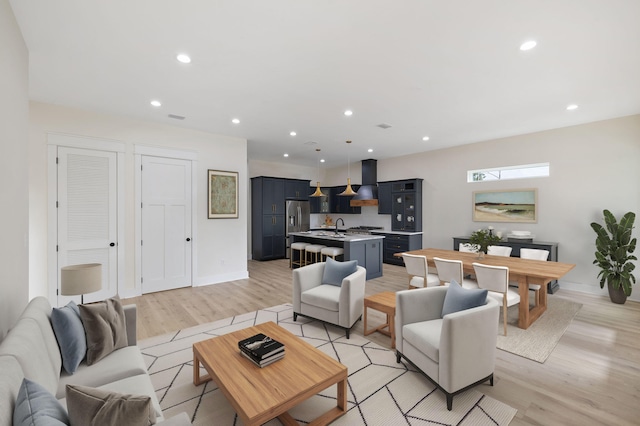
x,y
481,239
614,247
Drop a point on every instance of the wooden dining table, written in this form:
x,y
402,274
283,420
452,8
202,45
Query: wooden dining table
x,y
524,271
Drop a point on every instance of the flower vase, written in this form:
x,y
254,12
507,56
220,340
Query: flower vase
x,y
480,255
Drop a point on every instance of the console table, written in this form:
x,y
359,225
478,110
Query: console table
x,y
552,248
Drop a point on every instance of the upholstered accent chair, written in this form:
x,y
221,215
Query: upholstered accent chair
x,y
339,303
456,351
418,271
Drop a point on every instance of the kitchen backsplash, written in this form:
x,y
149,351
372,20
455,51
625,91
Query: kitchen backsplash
x,y
369,216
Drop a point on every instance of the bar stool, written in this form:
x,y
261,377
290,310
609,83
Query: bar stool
x,y
332,252
301,257
315,250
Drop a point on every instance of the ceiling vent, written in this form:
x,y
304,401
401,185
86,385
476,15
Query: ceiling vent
x,y
176,117
384,126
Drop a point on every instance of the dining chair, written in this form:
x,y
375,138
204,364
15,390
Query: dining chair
x,y
496,280
418,271
467,248
449,270
499,251
534,254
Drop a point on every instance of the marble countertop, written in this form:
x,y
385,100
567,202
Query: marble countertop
x,y
331,235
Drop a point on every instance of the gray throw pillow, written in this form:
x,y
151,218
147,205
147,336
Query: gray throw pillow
x,y
459,299
96,407
69,331
335,272
105,327
35,406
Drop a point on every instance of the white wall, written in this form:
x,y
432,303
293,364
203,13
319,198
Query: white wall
x,y
593,166
221,243
14,188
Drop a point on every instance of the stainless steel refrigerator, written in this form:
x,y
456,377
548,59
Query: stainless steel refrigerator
x,y
298,219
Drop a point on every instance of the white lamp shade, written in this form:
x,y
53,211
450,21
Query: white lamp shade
x,y
80,279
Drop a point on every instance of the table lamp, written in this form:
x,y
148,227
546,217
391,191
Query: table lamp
x,y
80,279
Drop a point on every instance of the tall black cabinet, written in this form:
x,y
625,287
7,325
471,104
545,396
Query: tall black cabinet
x,y
268,224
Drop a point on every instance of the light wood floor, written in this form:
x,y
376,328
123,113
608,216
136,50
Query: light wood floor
x,y
591,378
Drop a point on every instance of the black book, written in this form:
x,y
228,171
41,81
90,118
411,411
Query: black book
x,y
263,359
260,346
264,362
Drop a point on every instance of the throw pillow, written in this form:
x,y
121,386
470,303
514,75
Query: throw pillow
x,y
96,407
105,327
35,406
459,299
335,272
69,331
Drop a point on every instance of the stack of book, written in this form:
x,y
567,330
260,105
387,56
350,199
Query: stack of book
x,y
262,350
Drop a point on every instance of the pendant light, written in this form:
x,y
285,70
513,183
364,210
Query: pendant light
x,y
318,192
348,191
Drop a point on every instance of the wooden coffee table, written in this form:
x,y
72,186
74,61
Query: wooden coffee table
x,y
261,394
384,302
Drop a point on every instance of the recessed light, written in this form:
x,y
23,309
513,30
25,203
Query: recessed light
x,y
425,138
184,58
572,107
322,160
286,155
292,133
348,113
235,121
370,150
156,103
528,45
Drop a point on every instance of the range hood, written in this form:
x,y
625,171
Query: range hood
x,y
368,193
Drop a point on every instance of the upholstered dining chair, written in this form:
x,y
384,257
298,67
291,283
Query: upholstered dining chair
x,y
534,254
467,248
451,270
330,291
454,347
495,279
499,251
418,271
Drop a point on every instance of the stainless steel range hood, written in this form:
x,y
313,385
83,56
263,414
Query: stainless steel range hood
x,y
368,193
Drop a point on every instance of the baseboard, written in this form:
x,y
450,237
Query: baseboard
x,y
220,278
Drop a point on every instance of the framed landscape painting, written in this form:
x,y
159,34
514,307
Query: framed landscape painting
x,y
518,205
223,195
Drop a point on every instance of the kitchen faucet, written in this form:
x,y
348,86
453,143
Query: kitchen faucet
x,y
337,223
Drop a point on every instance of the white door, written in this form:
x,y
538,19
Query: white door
x,y
166,223
87,215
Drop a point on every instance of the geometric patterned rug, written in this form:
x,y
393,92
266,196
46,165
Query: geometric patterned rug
x,y
380,391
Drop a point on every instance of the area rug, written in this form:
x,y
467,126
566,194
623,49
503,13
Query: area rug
x,y
380,391
538,341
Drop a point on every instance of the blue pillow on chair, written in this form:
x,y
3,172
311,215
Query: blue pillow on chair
x,y
69,331
459,299
335,272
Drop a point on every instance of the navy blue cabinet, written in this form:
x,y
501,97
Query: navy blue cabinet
x,y
406,205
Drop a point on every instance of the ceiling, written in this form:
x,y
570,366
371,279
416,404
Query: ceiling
x,y
449,70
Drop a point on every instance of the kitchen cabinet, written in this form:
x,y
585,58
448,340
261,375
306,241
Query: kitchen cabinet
x,y
384,198
320,204
340,204
398,243
406,205
268,225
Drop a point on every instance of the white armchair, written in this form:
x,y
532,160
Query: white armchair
x,y
456,351
337,305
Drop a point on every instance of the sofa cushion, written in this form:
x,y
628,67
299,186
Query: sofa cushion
x,y
39,310
117,365
69,331
323,296
97,407
10,382
105,327
425,336
36,406
334,271
459,299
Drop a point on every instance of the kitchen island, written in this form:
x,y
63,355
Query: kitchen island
x,y
366,249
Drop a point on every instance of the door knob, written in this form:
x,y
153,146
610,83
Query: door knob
x,y
112,244
188,239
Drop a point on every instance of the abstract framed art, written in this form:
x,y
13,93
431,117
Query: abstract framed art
x,y
516,205
222,195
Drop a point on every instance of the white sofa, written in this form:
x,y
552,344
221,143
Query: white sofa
x,y
30,350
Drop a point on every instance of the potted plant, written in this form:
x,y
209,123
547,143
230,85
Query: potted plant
x,y
481,239
614,247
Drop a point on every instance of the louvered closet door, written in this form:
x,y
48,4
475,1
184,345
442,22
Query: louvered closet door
x,y
87,215
166,223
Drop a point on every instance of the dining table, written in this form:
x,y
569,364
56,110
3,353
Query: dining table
x,y
523,271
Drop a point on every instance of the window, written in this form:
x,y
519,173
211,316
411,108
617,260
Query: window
x,y
509,172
